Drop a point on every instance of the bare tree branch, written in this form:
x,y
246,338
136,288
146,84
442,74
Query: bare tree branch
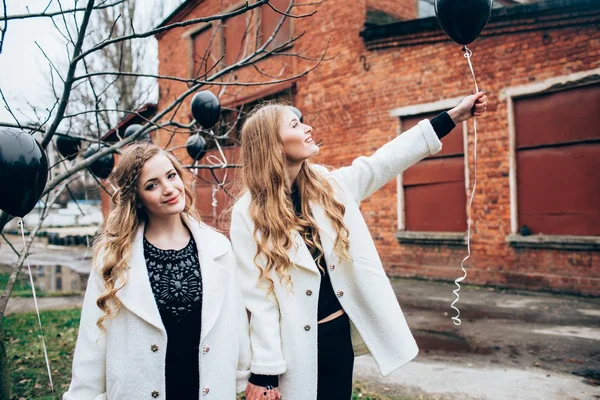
x,y
24,253
9,244
69,78
42,129
50,62
7,107
247,7
287,14
3,30
45,14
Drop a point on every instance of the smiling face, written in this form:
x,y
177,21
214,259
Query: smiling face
x,y
160,188
298,144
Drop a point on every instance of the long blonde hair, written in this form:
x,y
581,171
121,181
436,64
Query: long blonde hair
x,y
124,220
263,175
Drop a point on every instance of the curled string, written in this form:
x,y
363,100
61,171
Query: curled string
x,y
37,310
214,160
456,318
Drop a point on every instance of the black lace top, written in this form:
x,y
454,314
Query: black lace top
x,y
177,286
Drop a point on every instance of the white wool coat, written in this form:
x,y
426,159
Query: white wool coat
x,y
128,363
283,332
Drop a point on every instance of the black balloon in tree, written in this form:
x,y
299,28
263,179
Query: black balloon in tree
x,y
23,172
196,147
206,108
68,146
133,128
102,167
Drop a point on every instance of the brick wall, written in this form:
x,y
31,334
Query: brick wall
x,y
348,99
400,10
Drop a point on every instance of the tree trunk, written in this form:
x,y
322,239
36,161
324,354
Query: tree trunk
x,y
4,373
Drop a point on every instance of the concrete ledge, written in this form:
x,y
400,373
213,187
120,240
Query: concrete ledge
x,y
432,238
559,242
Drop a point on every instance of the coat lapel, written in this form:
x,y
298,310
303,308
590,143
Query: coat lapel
x,y
137,294
300,255
327,233
211,246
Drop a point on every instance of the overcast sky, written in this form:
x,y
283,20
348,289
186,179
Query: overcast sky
x,y
24,71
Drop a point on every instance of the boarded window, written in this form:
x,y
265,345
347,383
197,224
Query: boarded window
x,y
270,21
434,189
237,33
558,162
205,52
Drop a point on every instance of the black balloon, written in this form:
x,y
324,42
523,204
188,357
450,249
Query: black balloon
x,y
196,147
131,129
102,167
297,112
206,108
68,147
463,20
23,172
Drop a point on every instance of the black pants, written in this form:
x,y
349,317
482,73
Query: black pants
x,y
336,360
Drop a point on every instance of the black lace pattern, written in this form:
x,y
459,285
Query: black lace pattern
x,y
175,278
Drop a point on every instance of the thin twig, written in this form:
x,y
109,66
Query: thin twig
x,y
55,13
247,7
9,244
3,30
69,78
287,14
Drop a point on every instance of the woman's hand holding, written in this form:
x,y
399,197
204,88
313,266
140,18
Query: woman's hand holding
x,y
471,106
254,392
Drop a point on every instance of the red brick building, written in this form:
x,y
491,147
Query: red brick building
x,y
536,211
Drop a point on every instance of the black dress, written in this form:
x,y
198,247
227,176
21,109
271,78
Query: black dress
x,y
177,286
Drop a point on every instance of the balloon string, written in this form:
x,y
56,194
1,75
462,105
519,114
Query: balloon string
x,y
87,237
222,163
223,158
37,310
456,319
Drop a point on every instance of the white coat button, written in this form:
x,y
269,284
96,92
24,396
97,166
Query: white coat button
x,y
206,349
205,390
309,292
332,267
307,328
154,348
339,293
155,394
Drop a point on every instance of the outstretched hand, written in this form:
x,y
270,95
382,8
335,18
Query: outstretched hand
x,y
474,105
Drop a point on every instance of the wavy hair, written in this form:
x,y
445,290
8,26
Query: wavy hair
x,y
126,216
263,175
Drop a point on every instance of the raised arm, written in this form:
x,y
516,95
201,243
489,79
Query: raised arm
x,y
367,174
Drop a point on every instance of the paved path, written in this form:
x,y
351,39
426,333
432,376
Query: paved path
x,y
25,304
443,380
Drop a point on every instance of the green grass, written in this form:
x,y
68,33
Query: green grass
x,y
26,357
21,288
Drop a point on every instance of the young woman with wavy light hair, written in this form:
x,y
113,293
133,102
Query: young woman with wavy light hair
x,y
162,316
311,276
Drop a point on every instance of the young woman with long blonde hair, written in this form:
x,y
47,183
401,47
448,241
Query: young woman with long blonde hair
x,y
311,276
162,316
